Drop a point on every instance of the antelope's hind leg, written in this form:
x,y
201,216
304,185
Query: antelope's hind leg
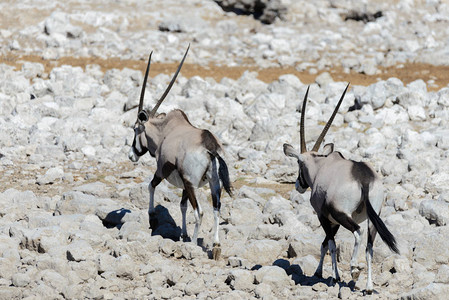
x,y
328,244
215,189
198,213
355,270
369,256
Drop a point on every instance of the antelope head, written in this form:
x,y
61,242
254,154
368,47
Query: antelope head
x,y
307,159
143,142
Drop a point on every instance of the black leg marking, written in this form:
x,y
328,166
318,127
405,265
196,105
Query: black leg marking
x,y
214,185
343,219
183,203
330,230
167,169
190,193
153,218
155,181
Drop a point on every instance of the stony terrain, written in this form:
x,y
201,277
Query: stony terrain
x,y
73,208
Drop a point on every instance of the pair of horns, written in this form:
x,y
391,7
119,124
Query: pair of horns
x,y
142,93
325,129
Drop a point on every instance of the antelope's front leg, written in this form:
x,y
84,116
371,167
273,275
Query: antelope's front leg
x,y
151,211
183,206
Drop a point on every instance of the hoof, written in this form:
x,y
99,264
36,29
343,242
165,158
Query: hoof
x,y
216,252
369,291
355,273
185,238
334,281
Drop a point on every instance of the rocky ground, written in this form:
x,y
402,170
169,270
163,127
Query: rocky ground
x,y
73,208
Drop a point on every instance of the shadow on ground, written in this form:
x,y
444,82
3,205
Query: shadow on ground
x,y
298,276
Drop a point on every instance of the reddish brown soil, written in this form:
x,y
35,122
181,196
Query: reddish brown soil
x,y
406,72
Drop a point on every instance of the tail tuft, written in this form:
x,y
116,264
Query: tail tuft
x,y
223,173
380,226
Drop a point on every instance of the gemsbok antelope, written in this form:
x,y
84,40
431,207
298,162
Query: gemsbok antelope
x,y
188,157
343,192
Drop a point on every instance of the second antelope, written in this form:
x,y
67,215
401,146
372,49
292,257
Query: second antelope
x,y
343,192
188,157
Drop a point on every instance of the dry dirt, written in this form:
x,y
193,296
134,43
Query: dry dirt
x,y
406,72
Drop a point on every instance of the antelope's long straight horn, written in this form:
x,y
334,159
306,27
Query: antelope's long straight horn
x,y
142,93
301,125
153,111
329,123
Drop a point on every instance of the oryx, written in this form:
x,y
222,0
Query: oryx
x,y
343,192
188,157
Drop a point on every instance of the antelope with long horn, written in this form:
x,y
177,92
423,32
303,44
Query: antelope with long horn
x,y
188,157
343,192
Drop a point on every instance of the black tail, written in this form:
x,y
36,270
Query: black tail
x,y
384,233
223,173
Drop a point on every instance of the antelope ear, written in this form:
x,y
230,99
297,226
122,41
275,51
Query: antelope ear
x,y
161,115
143,116
328,149
290,151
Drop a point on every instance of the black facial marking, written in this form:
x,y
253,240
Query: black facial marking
x,y
138,130
301,180
362,173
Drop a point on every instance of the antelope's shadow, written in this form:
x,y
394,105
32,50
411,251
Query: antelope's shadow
x,y
298,276
163,224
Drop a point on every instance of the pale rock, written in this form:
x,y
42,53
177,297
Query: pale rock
x,y
411,99
51,176
275,276
416,113
54,280
268,231
195,286
304,244
189,251
262,251
21,279
426,249
436,183
237,262
79,250
125,266
77,202
442,275
245,211
98,189
263,290
241,280
167,247
431,291
276,203
307,263
398,198
435,211
324,79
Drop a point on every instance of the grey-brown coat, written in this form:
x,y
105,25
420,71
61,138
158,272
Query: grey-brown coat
x,y
186,156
